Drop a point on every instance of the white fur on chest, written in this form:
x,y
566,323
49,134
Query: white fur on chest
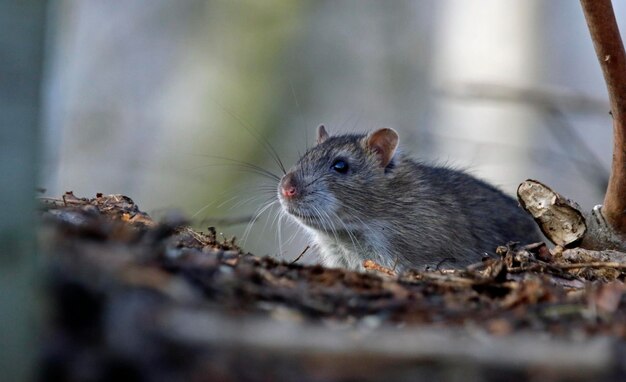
x,y
345,251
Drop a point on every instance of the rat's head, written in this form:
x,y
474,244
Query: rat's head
x,y
336,183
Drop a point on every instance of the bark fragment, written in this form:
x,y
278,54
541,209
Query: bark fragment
x,y
559,218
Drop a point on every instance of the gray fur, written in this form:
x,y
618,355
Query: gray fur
x,y
407,215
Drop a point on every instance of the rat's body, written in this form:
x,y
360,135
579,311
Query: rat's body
x,y
361,200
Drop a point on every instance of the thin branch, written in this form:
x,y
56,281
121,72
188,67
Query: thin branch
x,y
300,255
591,265
563,99
549,102
610,52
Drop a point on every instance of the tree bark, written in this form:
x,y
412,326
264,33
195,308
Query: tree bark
x,y
610,52
22,27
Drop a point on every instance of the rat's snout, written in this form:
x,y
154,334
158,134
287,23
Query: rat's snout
x,y
289,186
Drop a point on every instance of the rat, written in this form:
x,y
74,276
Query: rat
x,y
360,198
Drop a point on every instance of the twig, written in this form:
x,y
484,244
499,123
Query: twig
x,y
535,96
301,254
544,268
445,259
550,103
591,265
612,58
576,148
447,279
370,265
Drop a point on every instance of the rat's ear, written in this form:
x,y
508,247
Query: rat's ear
x,y
322,135
384,143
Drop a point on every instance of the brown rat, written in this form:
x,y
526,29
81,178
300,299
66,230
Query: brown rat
x,y
361,199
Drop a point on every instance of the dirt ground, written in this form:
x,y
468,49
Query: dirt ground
x,y
135,299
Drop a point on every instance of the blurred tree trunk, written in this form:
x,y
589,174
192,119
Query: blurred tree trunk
x,y
488,43
21,48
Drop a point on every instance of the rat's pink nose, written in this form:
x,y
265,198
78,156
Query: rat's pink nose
x,y
288,186
288,191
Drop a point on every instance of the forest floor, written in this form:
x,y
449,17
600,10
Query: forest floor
x,y
135,299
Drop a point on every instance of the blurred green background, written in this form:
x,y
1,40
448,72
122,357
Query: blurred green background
x,y
140,97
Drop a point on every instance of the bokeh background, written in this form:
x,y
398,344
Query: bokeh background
x,y
147,97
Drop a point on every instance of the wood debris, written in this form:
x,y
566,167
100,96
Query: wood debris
x,y
144,298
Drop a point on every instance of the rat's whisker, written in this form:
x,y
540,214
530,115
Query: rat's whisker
x,y
359,197
269,219
306,131
219,201
279,214
260,138
250,199
292,238
203,208
330,224
259,212
253,168
280,238
225,202
356,244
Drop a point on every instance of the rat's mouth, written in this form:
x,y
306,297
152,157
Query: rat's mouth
x,y
300,215
304,217
295,210
306,212
315,222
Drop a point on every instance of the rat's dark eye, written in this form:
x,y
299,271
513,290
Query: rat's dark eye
x,y
340,165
